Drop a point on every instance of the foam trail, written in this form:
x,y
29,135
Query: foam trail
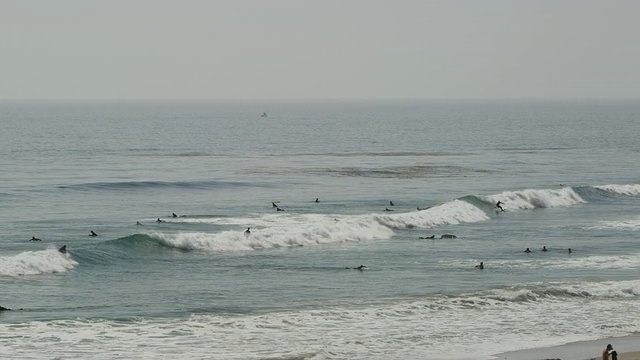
x,y
533,199
628,224
48,261
631,190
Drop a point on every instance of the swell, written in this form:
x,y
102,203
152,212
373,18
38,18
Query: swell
x,y
273,231
141,185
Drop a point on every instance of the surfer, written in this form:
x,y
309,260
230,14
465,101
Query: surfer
x,y
317,200
33,238
278,209
391,203
357,268
159,220
138,223
420,209
527,250
2,308
428,237
481,266
387,209
448,236
499,205
174,215
544,249
569,250
273,204
63,249
247,232
93,234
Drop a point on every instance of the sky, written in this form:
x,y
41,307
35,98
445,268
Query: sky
x,y
323,49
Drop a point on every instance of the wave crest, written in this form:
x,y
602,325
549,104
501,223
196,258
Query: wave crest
x,y
535,199
48,261
631,190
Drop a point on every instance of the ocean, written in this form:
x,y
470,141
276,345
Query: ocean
x,y
387,176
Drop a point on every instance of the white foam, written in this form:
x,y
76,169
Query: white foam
x,y
450,213
48,261
532,198
630,224
473,326
631,190
323,232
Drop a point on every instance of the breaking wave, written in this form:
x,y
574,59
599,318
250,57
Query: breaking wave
x,y
49,261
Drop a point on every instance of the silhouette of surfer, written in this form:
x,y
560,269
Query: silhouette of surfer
x,y
93,234
2,308
159,220
527,250
138,223
279,209
428,237
357,268
247,232
273,204
544,248
569,250
499,205
317,200
33,238
387,209
174,215
63,249
481,266
391,203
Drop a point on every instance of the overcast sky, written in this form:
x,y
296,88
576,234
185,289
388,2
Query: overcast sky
x,y
263,49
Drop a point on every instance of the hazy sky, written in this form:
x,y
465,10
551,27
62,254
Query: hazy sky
x,y
252,49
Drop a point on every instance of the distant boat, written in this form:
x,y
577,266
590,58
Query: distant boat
x,y
264,114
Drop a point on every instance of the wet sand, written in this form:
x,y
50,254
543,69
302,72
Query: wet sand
x,y
628,348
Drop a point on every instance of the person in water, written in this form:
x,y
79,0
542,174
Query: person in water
x,y
93,234
278,209
174,215
2,308
391,203
247,232
63,249
569,250
159,220
544,248
138,223
317,200
428,237
33,238
499,205
273,204
527,250
387,209
481,266
357,268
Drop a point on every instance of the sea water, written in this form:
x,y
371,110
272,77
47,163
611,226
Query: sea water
x,y
195,287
